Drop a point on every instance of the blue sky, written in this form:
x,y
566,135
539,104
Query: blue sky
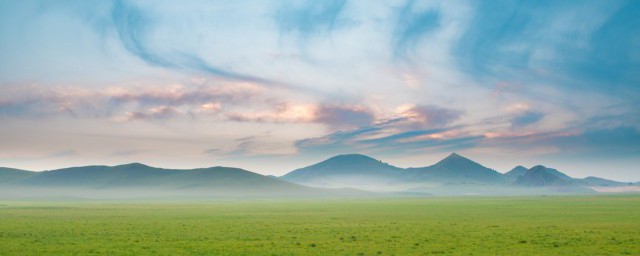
x,y
274,85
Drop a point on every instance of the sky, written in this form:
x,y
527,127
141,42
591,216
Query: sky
x,y
271,86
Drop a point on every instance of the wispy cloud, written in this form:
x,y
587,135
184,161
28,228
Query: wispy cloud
x,y
429,116
526,118
135,26
308,18
414,22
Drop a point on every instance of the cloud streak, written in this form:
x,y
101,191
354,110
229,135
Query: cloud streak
x,y
134,27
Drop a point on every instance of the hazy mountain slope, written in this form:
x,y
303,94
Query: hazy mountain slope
x,y
457,169
228,178
595,181
516,172
352,170
138,180
548,178
543,172
134,174
10,175
540,176
556,173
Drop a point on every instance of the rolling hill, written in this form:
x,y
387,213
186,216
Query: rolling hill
x,y
600,182
516,172
457,169
353,170
135,180
540,176
9,175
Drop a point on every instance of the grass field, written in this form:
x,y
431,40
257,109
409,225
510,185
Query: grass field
x,y
580,225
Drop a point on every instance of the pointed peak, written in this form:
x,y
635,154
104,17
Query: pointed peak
x,y
455,157
454,154
457,160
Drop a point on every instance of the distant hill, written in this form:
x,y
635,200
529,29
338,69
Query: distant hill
x,y
139,178
544,176
351,170
552,180
540,176
8,175
457,169
600,182
516,172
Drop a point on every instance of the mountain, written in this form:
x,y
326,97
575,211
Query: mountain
x,y
137,179
516,172
353,170
8,175
540,172
600,182
457,169
99,176
336,176
540,176
543,176
551,180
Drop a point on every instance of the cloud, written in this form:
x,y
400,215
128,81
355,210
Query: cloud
x,y
526,118
135,27
412,127
340,117
280,113
387,140
334,116
429,116
414,23
607,141
262,145
155,113
212,151
128,103
308,18
177,95
126,153
592,142
65,153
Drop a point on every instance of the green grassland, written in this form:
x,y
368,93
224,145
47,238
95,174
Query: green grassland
x,y
571,225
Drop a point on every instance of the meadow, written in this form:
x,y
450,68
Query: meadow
x,y
542,225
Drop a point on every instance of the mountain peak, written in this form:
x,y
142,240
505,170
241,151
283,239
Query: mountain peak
x,y
516,172
459,169
133,165
551,171
538,167
342,169
455,155
454,158
351,156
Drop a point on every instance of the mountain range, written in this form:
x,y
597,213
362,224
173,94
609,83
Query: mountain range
x,y
451,175
343,175
138,180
